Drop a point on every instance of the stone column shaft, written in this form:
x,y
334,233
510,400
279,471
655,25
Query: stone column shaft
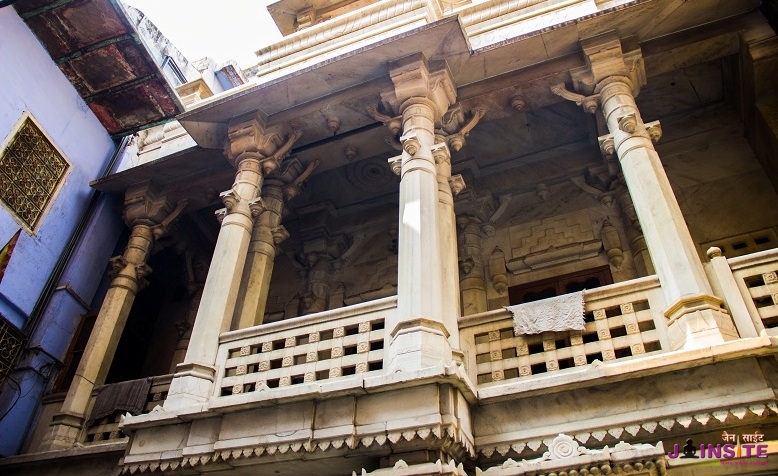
x,y
255,152
450,306
250,310
421,275
101,346
662,222
473,278
423,324
673,252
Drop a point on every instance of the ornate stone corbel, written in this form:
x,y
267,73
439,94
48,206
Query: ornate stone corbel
x,y
607,145
396,163
611,242
220,214
117,264
457,184
410,142
271,164
230,198
654,130
466,265
280,234
589,103
256,206
457,140
440,153
141,271
295,187
628,122
394,124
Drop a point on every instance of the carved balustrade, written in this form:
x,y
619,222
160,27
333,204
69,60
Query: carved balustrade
x,y
323,346
756,276
107,428
623,320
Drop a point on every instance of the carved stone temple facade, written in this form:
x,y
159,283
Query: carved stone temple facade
x,y
318,263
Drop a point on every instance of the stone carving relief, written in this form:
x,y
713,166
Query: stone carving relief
x,y
552,241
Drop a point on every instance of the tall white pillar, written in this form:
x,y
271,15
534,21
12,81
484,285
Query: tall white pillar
x,y
254,151
695,316
424,323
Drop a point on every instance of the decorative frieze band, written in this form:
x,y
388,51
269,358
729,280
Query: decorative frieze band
x,y
451,434
650,427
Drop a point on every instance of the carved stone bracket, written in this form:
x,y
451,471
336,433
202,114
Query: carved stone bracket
x,y
410,142
607,145
396,164
455,129
654,130
457,183
394,124
588,103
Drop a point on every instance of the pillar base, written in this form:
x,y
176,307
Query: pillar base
x,y
63,433
698,321
192,384
417,344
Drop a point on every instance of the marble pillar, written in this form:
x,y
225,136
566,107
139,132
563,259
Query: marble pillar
x,y
419,333
695,316
267,232
255,151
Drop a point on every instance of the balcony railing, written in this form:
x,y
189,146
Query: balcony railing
x,y
107,428
622,320
756,276
322,346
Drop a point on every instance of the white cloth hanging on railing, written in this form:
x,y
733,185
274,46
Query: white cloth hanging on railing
x,y
559,313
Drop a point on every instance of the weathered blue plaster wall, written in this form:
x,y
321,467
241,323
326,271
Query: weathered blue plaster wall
x,y
30,81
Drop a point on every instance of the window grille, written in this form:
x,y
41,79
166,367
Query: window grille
x,y
31,169
11,342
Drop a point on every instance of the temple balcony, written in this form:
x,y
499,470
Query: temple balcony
x,y
318,385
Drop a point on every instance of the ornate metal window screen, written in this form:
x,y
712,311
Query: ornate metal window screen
x,y
31,169
11,341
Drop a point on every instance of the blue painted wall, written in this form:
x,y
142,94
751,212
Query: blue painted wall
x,y
31,82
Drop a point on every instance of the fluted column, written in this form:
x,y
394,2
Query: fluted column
x,y
148,217
254,151
695,315
420,330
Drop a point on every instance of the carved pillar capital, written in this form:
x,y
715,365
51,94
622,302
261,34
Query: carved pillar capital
x,y
144,204
255,151
609,57
414,77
